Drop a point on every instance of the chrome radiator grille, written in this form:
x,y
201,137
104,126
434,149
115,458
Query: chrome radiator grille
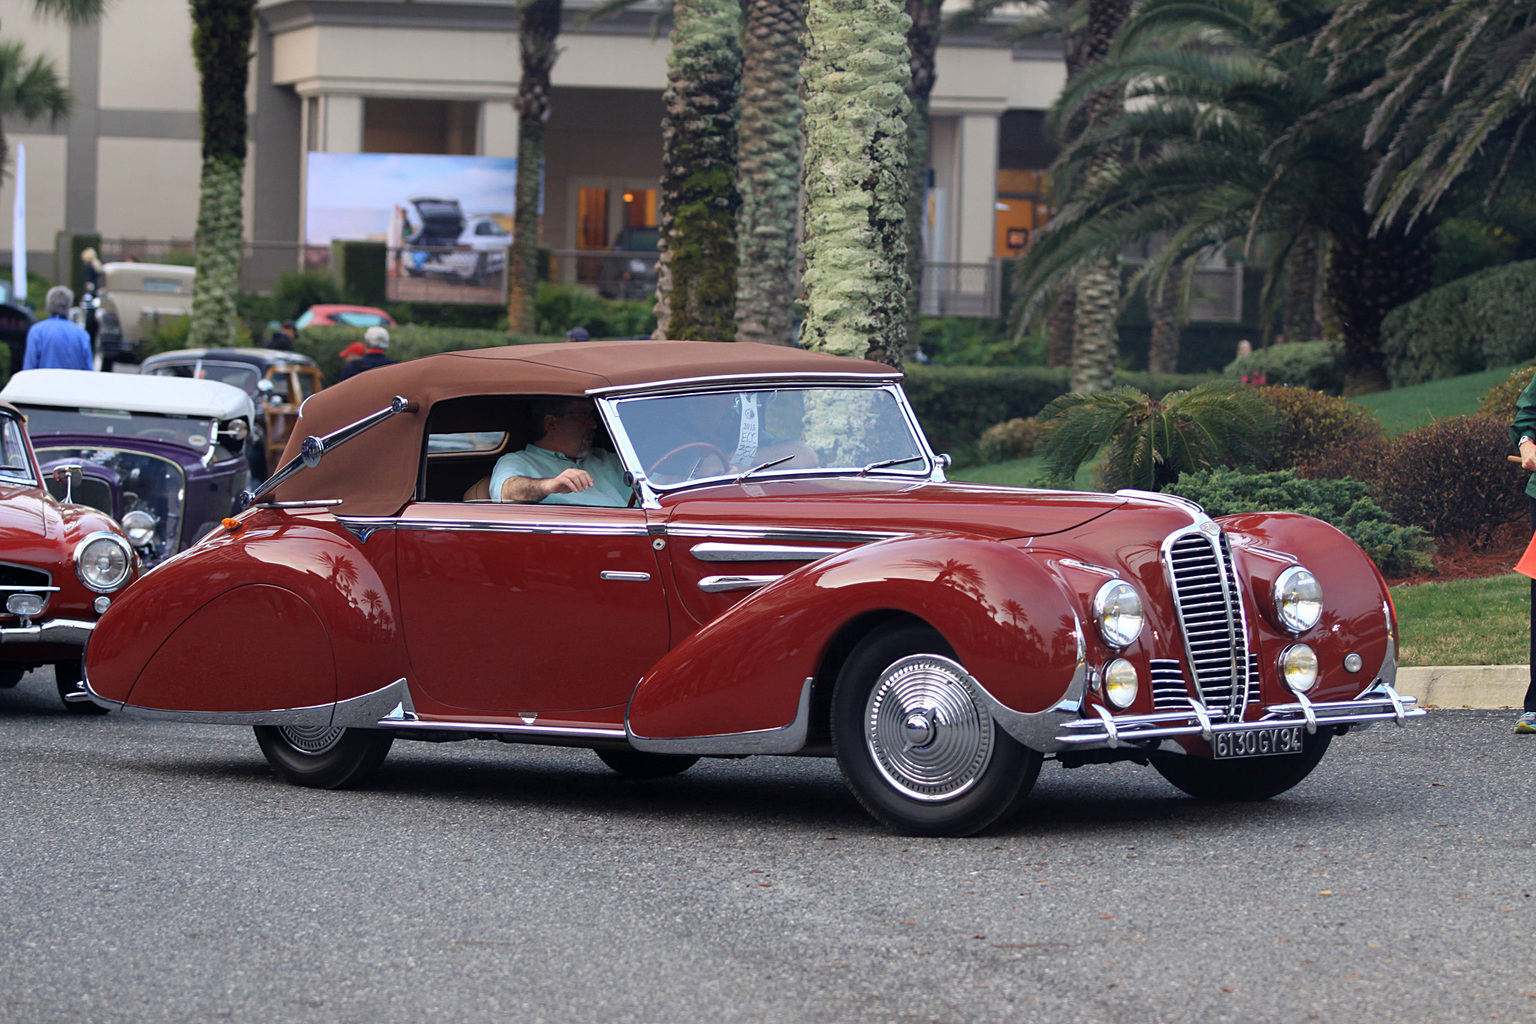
x,y
1211,613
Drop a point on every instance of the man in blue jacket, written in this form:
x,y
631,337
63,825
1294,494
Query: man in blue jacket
x,y
56,343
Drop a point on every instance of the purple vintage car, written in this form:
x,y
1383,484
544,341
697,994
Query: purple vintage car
x,y
164,456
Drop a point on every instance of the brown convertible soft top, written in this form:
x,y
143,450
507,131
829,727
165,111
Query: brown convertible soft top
x,y
375,473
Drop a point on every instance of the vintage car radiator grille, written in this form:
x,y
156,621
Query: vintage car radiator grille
x,y
22,576
1210,609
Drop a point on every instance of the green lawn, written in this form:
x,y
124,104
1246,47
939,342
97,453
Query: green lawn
x,y
1405,408
1465,622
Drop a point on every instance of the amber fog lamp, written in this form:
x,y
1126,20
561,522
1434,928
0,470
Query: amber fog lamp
x,y
103,561
1117,609
24,604
232,525
1120,683
1298,664
1298,599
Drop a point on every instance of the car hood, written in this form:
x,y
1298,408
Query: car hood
x,y
882,505
24,513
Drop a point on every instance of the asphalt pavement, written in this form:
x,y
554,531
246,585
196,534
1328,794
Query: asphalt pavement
x,y
160,873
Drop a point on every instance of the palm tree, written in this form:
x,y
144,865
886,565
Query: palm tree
x,y
31,86
922,45
538,26
696,270
1151,442
856,183
1454,89
769,147
221,44
1238,134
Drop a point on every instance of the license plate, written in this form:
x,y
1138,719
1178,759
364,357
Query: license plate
x,y
1283,739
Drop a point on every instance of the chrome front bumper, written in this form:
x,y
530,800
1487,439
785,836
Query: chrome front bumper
x,y
55,631
1380,703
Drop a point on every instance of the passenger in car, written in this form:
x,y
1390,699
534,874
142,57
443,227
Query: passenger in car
x,y
560,465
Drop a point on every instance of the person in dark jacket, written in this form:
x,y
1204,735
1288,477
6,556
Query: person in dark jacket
x,y
375,353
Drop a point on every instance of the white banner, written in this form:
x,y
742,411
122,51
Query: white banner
x,y
19,230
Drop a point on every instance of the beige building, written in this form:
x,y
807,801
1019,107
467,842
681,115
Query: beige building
x,y
422,76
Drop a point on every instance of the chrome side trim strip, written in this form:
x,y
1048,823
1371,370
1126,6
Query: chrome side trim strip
x,y
708,552
811,534
59,631
531,731
1379,703
789,739
745,381
362,712
371,523
721,584
626,577
316,503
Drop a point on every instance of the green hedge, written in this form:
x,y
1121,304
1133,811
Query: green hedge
x,y
408,341
1482,320
1317,365
955,404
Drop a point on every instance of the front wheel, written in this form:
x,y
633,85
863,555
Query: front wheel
x,y
324,756
914,743
641,764
1249,778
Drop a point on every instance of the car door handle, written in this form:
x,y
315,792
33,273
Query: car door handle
x,y
627,577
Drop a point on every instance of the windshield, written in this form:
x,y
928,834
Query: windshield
x,y
681,438
241,375
190,431
14,465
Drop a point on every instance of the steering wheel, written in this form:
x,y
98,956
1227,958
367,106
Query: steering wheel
x,y
705,450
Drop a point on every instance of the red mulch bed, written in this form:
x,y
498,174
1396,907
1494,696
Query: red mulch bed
x,y
1455,560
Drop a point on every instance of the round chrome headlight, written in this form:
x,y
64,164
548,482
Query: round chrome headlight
x,y
1120,683
140,527
1298,664
103,561
1117,609
1298,599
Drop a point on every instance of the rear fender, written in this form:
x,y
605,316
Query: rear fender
x,y
282,614
1009,621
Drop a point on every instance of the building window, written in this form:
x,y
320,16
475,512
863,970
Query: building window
x,y
420,126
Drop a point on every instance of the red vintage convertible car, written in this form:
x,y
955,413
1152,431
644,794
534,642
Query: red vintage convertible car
x,y
61,566
790,575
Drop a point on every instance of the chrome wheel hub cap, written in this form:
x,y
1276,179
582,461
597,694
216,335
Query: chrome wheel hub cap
x,y
926,732
311,739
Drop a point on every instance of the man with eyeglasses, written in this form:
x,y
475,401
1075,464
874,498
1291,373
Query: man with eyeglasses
x,y
560,466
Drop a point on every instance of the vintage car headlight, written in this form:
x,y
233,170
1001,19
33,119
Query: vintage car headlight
x,y
1298,599
1120,683
103,561
1117,609
139,525
1298,664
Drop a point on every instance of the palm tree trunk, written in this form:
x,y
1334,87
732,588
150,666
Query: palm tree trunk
x,y
696,269
768,170
1368,277
538,26
923,43
1301,288
1058,328
1167,323
221,43
856,183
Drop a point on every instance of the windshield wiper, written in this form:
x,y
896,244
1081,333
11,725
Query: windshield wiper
x,y
889,462
763,465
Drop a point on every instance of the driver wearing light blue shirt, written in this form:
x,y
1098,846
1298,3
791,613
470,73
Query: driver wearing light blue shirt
x,y
560,466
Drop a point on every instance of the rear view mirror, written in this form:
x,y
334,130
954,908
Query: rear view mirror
x,y
70,476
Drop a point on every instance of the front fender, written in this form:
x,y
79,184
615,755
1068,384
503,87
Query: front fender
x,y
1009,620
284,613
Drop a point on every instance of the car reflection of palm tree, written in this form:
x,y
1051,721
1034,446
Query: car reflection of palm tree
x,y
953,571
342,570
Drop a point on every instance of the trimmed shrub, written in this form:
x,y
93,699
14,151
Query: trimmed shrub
x,y
1346,504
976,341
1318,365
563,306
1499,402
363,270
1482,320
1452,479
1314,424
1014,439
408,341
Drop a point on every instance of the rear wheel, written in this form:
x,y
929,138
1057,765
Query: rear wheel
x,y
325,757
916,746
1249,778
70,676
640,764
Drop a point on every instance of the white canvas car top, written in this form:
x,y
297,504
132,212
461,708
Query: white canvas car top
x,y
176,396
